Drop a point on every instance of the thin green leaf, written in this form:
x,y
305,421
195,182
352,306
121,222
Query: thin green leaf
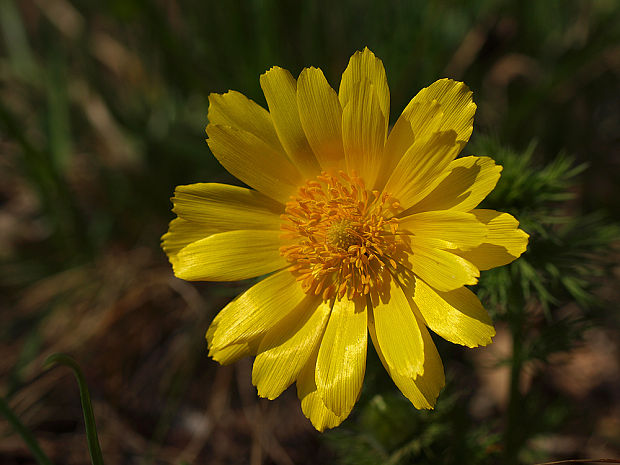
x,y
89,418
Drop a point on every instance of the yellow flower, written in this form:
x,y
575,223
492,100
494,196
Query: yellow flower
x,y
361,232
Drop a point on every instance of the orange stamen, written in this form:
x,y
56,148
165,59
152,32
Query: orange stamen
x,y
342,238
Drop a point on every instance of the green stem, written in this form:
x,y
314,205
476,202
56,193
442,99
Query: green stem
x,y
515,404
513,434
25,433
89,417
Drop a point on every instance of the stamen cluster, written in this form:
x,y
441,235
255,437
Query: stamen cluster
x,y
343,238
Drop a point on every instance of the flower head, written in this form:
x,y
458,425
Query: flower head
x,y
360,231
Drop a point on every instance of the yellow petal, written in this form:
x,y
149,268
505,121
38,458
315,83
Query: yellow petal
x,y
182,233
221,207
469,181
502,230
235,110
457,229
425,117
363,132
231,354
230,256
365,66
398,333
503,244
321,117
441,269
424,389
341,361
286,348
456,103
256,311
457,316
280,91
311,403
254,162
421,168
398,142
320,416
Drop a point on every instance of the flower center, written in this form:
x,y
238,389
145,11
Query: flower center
x,y
339,235
342,238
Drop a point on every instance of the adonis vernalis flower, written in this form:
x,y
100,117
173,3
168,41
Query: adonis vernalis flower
x,y
360,231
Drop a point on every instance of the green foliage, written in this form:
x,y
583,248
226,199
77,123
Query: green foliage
x,y
89,417
389,430
567,250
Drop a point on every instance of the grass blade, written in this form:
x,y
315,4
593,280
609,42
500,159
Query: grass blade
x,y
89,418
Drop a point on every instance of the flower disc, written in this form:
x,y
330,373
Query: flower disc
x,y
343,238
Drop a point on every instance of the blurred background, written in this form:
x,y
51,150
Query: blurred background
x,y
102,113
